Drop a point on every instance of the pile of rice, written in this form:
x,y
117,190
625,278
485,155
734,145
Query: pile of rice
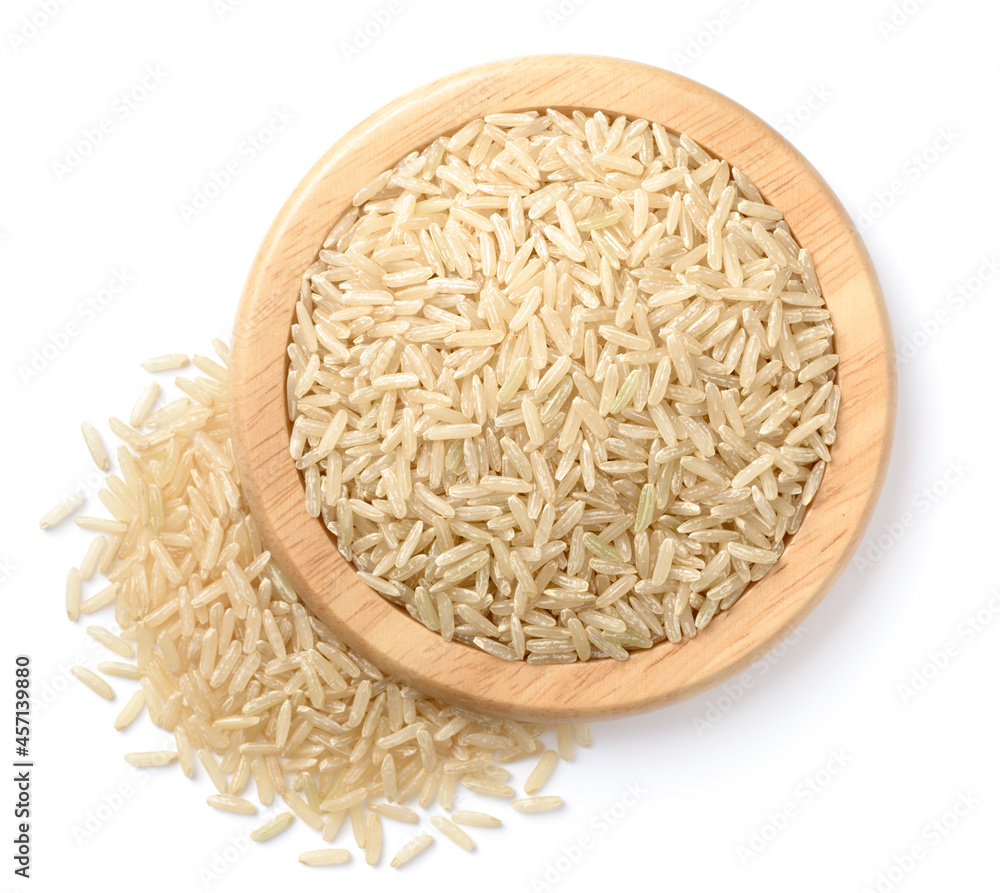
x,y
561,385
255,689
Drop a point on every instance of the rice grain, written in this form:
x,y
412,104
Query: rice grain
x,y
331,856
411,849
272,827
536,804
229,803
153,758
476,819
95,446
450,830
62,511
94,682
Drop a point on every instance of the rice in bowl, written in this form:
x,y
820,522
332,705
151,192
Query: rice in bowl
x,y
561,385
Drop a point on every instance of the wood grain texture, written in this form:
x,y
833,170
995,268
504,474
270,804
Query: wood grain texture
x,y
816,555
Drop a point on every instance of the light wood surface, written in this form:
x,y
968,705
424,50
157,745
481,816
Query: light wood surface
x,y
816,555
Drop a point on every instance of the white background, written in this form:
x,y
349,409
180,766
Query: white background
x,y
900,93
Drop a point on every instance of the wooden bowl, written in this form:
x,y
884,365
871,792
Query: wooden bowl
x,y
596,689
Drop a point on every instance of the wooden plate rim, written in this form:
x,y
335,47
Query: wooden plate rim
x,y
816,555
